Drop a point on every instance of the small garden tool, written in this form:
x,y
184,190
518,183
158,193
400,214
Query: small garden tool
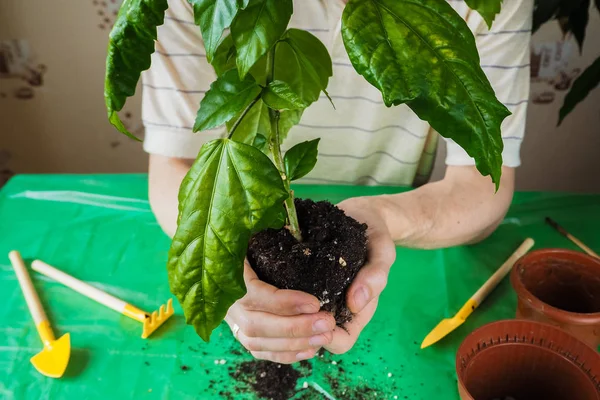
x,y
52,361
151,322
449,324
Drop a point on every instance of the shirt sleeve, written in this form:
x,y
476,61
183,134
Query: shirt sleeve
x,y
504,52
172,88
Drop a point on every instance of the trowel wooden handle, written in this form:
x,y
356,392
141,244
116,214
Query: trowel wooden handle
x,y
31,296
495,279
88,290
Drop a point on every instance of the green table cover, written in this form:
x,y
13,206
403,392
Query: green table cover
x,y
100,229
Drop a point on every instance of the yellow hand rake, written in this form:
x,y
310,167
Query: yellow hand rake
x,y
151,322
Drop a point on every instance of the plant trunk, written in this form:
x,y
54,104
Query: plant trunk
x,y
275,147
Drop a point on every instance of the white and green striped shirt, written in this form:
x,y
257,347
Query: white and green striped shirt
x,y
362,141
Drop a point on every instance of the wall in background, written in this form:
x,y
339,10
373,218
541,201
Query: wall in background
x,y
52,116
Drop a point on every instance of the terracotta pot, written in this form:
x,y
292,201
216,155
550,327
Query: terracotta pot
x,y
562,288
526,360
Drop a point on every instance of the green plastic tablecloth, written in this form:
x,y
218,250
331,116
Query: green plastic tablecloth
x,y
100,229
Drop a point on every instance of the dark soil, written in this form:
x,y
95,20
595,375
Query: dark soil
x,y
333,250
268,380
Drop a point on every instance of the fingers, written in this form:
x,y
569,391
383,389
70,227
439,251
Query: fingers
x,y
343,340
262,344
261,324
267,298
286,357
372,278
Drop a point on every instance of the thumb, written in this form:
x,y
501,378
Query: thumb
x,y
372,278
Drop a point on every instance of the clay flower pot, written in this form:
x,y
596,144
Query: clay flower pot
x,y
526,360
562,288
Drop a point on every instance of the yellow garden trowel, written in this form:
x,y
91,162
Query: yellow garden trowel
x,y
449,324
150,322
53,359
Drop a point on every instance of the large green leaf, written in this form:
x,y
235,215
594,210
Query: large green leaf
x,y
228,96
303,62
486,8
280,96
301,159
583,85
130,45
256,121
257,28
232,191
422,53
213,17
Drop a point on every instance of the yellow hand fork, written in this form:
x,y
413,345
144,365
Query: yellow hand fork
x,y
151,322
53,359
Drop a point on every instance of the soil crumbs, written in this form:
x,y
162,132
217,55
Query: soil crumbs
x,y
271,380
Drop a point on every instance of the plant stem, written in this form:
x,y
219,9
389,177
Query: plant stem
x,y
239,120
275,147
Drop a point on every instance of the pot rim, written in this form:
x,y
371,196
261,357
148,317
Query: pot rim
x,y
562,316
523,341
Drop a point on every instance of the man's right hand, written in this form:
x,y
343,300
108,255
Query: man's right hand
x,y
283,326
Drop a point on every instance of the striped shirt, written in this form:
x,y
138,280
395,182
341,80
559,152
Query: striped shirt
x,y
362,141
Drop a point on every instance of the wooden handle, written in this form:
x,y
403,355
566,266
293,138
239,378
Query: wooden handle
x,y
79,286
495,279
582,246
31,296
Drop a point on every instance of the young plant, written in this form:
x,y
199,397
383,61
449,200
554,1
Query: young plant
x,y
416,52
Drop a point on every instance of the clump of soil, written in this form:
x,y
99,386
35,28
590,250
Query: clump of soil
x,y
269,380
333,250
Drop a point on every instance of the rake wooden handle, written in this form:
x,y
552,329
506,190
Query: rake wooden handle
x,y
499,275
88,290
31,297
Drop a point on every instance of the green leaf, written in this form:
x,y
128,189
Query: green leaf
x,y
227,97
280,96
573,17
486,8
261,143
131,42
301,159
422,53
303,62
544,11
256,121
583,85
224,58
213,17
287,120
232,191
257,28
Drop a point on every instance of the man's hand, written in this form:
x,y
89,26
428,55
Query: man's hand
x,y
283,326
363,294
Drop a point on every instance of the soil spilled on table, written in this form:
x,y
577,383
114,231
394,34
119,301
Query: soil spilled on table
x,y
333,250
270,380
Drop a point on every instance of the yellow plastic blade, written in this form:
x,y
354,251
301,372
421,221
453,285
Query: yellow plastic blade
x,y
53,360
449,324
